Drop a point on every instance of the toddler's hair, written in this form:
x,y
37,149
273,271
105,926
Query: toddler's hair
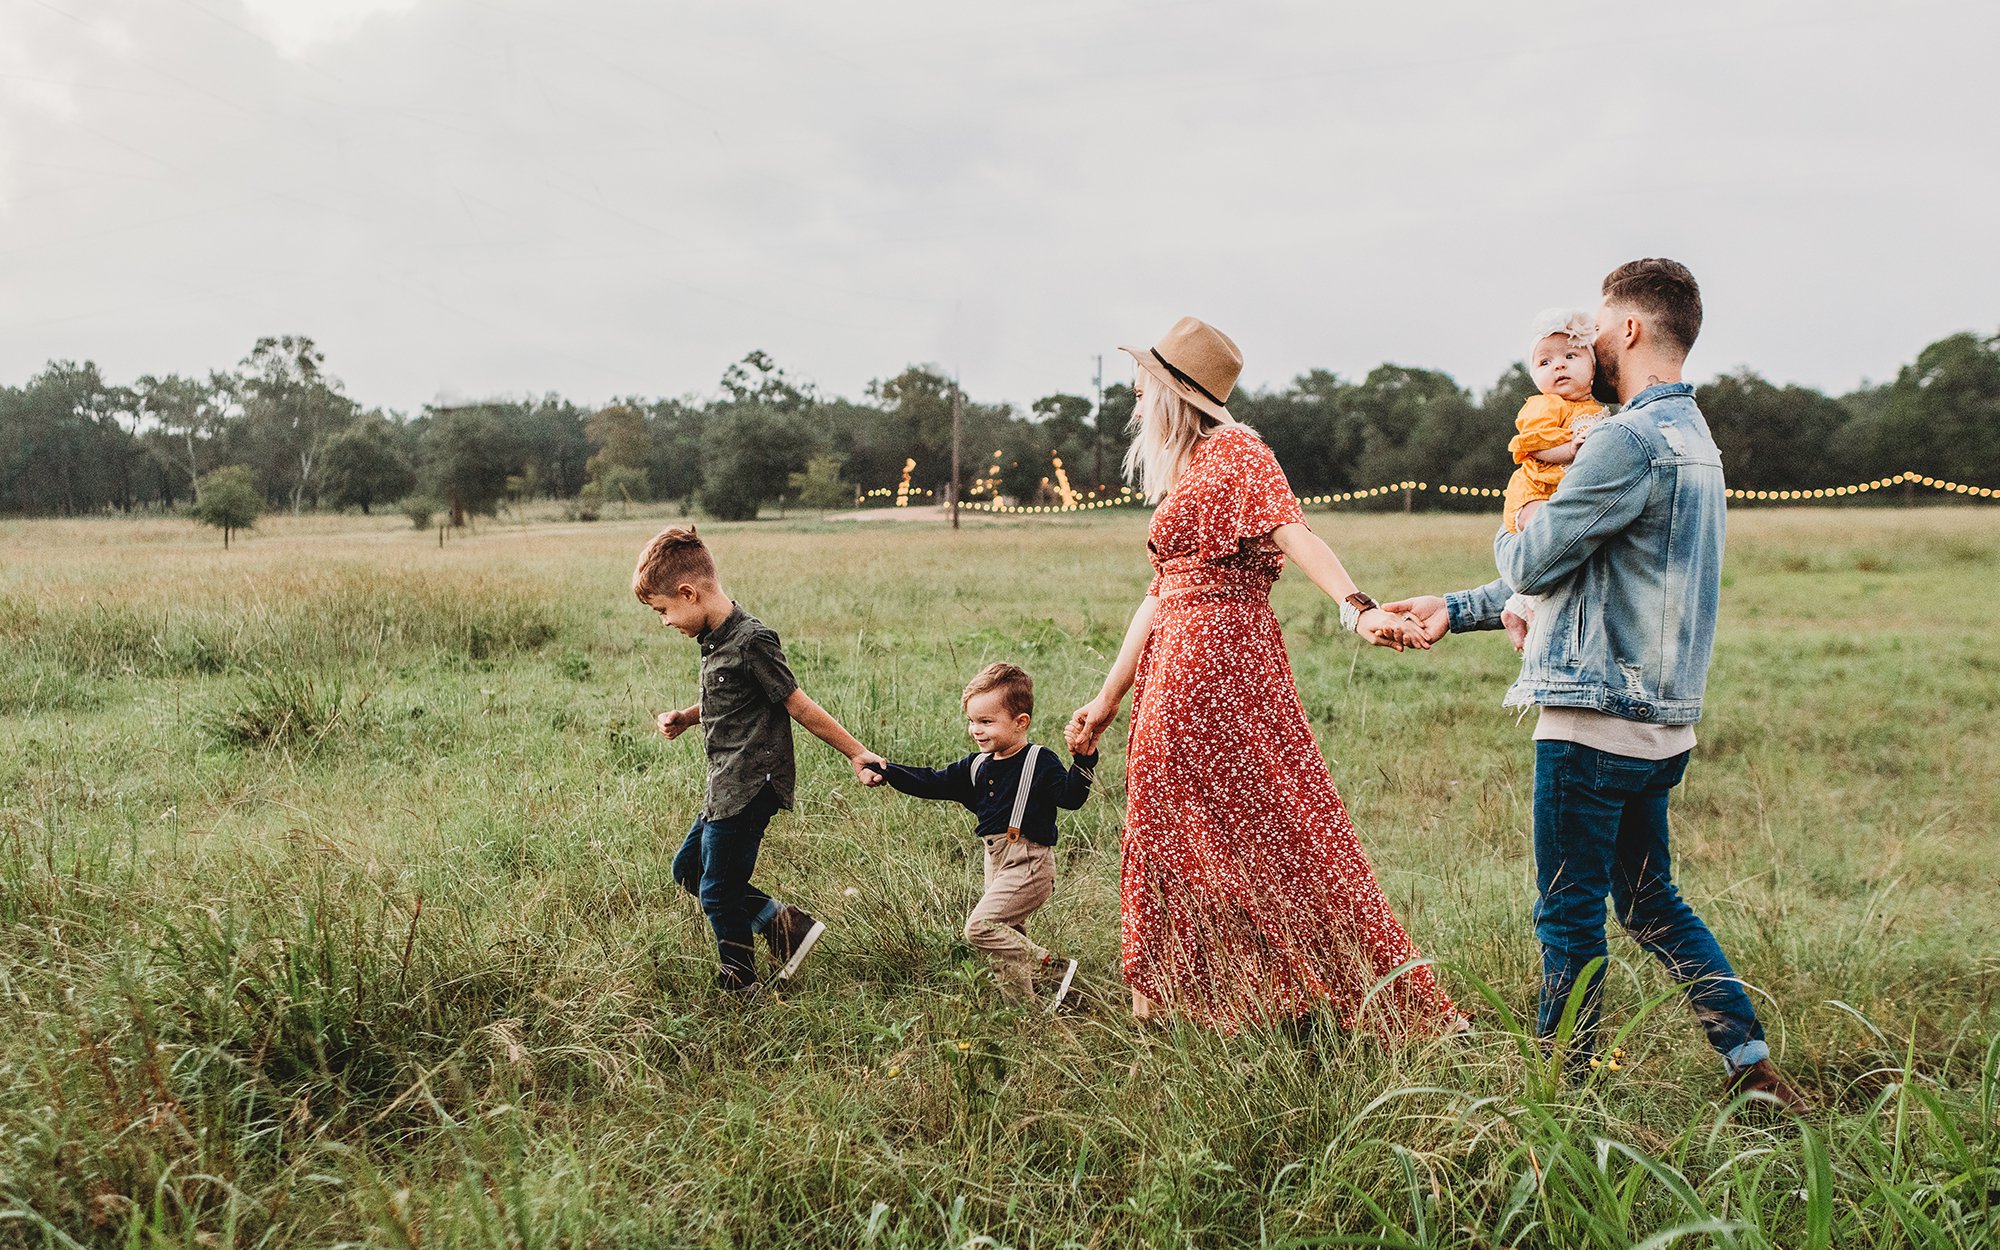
x,y
1017,689
674,557
1579,325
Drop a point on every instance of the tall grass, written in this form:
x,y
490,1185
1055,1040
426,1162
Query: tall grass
x,y
335,909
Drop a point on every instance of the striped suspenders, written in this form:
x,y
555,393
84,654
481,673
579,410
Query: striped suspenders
x,y
1020,791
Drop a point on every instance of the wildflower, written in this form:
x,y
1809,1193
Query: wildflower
x,y
1616,1066
1617,1052
1596,1063
895,1069
964,1046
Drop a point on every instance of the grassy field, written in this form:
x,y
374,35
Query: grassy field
x,y
335,909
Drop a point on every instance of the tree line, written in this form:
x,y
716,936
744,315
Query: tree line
x,y
74,443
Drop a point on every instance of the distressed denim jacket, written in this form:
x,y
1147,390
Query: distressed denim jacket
x,y
1627,561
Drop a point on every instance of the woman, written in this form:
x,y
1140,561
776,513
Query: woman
x,y
1245,896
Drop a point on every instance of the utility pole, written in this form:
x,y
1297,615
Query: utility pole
x,y
1097,422
957,436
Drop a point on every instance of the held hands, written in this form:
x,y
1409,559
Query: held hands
x,y
1386,627
1517,630
673,724
1088,724
863,773
1427,614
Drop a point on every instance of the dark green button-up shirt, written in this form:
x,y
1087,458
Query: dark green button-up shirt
x,y
744,684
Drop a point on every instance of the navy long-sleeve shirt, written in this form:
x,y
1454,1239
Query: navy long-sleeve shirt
x,y
991,796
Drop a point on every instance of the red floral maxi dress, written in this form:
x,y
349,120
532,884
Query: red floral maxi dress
x,y
1245,895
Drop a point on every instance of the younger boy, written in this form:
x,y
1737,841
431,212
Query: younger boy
x,y
749,699
1014,788
1551,426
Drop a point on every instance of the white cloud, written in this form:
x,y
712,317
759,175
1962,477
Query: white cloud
x,y
297,26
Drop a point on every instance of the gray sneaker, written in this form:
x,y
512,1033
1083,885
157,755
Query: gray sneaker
x,y
791,936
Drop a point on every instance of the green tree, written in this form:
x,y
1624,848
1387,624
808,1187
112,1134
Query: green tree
x,y
1772,437
554,446
190,419
624,447
291,407
819,485
749,453
1412,421
63,448
916,421
366,464
1941,416
757,379
1113,419
1024,462
228,500
673,458
469,456
1065,420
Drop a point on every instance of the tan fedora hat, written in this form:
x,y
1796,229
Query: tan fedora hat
x,y
1199,362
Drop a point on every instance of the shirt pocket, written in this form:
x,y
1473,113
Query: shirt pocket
x,y
726,691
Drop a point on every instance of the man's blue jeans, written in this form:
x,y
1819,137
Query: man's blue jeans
x,y
714,865
1601,828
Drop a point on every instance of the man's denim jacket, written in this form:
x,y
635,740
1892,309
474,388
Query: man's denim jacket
x,y
1627,561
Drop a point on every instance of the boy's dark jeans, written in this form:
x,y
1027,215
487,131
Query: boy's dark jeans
x,y
1601,828
714,865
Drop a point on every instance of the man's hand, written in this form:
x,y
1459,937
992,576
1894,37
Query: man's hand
x,y
1517,629
673,724
864,774
1427,613
1390,629
1527,510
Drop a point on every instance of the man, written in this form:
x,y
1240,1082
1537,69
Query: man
x,y
1627,556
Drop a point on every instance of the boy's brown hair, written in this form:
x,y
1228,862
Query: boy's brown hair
x,y
1665,291
673,558
1017,689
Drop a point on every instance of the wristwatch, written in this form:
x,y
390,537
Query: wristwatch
x,y
1352,607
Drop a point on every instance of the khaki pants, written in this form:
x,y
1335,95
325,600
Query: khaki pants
x,y
1020,876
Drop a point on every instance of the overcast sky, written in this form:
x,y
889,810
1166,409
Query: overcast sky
x,y
606,197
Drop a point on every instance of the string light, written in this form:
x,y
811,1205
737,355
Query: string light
x,y
1127,497
1859,488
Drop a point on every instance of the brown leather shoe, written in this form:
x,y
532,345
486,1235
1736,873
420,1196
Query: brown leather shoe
x,y
1762,1077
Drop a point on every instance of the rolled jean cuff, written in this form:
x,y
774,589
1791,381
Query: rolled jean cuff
x,y
1752,1051
765,915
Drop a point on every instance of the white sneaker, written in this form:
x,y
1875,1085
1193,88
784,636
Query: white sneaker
x,y
1062,986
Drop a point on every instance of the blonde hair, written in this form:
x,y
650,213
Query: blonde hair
x,y
1164,429
1577,325
1017,689
675,557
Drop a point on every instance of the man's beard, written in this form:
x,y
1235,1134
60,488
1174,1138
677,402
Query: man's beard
x,y
1604,386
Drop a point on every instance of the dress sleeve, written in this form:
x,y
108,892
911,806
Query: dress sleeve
x,y
1246,496
1541,427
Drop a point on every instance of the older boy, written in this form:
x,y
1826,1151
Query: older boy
x,y
1014,788
749,699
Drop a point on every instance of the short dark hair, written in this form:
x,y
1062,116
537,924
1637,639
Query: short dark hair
x,y
1017,689
673,558
1665,291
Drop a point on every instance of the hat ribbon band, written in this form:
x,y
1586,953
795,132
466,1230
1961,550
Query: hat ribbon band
x,y
1184,379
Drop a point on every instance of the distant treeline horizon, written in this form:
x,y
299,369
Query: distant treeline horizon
x,y
75,443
